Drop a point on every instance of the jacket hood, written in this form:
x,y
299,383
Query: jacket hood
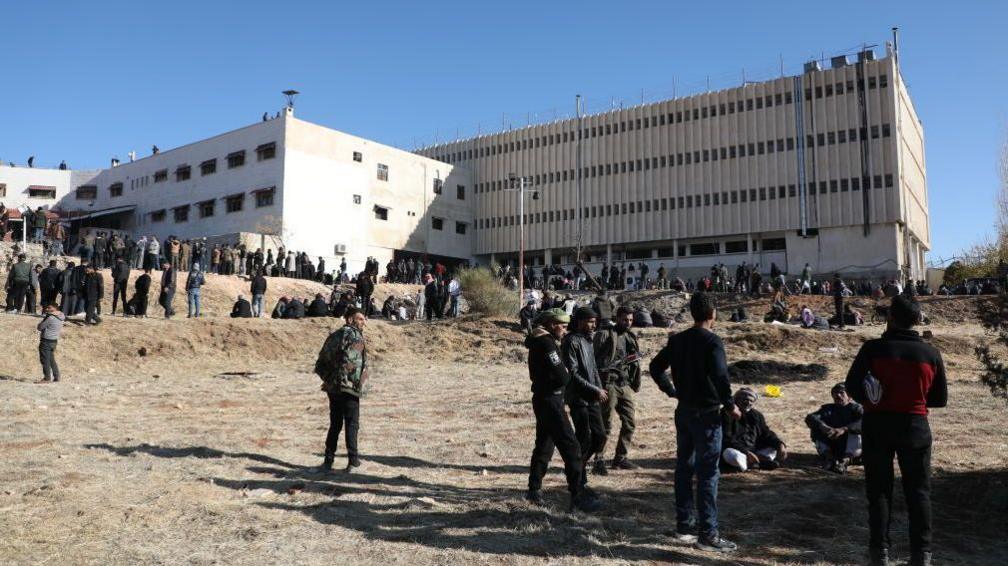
x,y
537,333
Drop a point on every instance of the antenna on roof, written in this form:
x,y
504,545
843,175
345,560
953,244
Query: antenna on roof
x,y
290,94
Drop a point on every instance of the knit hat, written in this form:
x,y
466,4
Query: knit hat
x,y
745,396
584,312
553,315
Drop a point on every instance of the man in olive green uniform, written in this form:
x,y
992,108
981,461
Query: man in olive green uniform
x,y
616,355
342,365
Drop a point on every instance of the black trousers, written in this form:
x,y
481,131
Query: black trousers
x,y
47,356
343,409
91,312
118,290
554,431
17,296
30,301
48,296
838,305
908,439
591,435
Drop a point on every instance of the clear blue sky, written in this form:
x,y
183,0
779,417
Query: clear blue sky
x,y
84,81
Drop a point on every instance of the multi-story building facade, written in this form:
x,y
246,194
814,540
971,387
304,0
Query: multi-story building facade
x,y
825,168
282,181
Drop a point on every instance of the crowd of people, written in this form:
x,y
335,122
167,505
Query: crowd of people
x,y
585,366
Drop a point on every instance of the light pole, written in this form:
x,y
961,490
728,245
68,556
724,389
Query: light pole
x,y
523,185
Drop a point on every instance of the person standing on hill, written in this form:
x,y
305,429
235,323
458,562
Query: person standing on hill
x,y
168,285
49,283
193,283
258,290
897,378
364,288
550,378
140,294
120,278
699,380
49,332
837,288
617,355
585,391
94,291
18,281
343,366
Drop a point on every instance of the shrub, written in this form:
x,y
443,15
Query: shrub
x,y
995,372
485,295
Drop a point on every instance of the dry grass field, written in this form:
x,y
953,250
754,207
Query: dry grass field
x,y
178,456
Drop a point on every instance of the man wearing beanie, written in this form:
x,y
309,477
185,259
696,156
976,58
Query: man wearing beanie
x,y
897,378
836,430
553,429
585,390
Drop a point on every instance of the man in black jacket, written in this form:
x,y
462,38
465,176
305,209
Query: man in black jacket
x,y
364,288
585,390
140,295
49,284
68,289
295,309
897,378
241,308
120,278
431,296
553,429
169,281
94,291
318,307
748,442
696,357
258,290
836,430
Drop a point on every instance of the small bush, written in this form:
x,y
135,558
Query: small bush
x,y
995,372
485,295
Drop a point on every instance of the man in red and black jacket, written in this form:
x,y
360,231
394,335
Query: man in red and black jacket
x,y
897,378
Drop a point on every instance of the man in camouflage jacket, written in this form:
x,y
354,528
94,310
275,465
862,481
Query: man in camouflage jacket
x,y
342,365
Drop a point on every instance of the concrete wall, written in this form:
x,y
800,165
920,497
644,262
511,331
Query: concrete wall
x,y
140,190
322,179
16,180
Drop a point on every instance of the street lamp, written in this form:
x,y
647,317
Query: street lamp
x,y
523,184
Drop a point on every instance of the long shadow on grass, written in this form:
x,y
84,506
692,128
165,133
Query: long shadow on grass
x,y
798,514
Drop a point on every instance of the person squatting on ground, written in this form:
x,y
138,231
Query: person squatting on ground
x,y
342,364
550,379
585,391
748,442
49,333
617,355
696,357
897,378
836,430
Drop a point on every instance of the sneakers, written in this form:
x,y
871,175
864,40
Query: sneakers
x,y
624,464
585,503
716,544
352,463
326,465
769,465
599,468
838,467
681,537
534,496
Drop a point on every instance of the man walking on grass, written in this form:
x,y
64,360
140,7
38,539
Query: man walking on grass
x,y
696,357
49,333
342,365
897,378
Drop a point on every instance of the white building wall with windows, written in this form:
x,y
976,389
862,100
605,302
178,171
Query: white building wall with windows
x,y
34,187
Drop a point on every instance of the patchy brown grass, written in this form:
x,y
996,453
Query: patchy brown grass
x,y
196,466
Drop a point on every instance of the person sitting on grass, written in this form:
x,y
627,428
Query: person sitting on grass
x,y
836,430
748,442
242,308
280,308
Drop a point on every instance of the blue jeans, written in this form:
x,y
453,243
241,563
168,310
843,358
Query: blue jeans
x,y
698,450
257,305
194,301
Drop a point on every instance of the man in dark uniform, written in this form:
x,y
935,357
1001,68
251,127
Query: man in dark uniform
x,y
342,365
585,390
49,284
140,299
120,277
169,280
553,429
897,378
617,357
93,293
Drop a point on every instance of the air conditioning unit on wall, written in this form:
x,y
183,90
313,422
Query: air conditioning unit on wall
x,y
339,249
